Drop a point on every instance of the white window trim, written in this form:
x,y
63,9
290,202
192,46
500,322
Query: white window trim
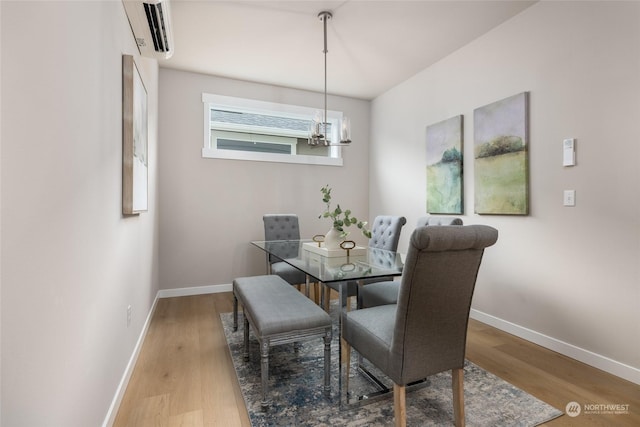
x,y
260,106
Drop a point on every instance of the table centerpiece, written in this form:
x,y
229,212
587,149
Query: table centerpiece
x,y
341,219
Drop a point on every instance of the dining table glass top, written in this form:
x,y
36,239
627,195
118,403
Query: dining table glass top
x,y
361,263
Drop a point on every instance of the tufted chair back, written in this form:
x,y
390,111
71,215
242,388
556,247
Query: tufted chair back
x,y
385,232
387,291
281,227
438,220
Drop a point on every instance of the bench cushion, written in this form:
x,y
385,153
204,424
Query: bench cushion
x,y
277,307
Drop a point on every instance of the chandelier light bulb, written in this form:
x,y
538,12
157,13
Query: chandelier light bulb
x,y
345,131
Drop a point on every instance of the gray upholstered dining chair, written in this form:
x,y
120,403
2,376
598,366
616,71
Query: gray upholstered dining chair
x,y
386,292
425,332
438,220
283,227
385,234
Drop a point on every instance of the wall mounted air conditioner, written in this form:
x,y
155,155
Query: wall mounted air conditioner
x,y
151,25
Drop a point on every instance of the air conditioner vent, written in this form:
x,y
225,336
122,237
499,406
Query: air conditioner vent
x,y
155,18
151,25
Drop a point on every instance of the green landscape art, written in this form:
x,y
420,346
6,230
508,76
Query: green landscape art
x,y
500,152
444,167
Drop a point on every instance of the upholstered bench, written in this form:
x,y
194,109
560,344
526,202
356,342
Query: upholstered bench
x,y
279,314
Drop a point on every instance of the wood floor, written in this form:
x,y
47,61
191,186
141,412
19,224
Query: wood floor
x,y
184,375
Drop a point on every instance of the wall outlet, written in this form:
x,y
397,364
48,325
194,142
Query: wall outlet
x,y
569,197
128,316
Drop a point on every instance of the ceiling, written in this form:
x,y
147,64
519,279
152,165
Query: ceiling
x,y
373,44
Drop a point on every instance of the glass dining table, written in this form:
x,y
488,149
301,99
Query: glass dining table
x,y
360,265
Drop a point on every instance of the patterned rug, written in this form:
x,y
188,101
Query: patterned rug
x,y
295,391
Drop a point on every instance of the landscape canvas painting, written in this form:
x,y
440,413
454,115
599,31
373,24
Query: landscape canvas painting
x,y
444,167
500,152
135,161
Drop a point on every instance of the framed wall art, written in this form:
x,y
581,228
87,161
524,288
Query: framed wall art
x,y
135,160
500,157
444,167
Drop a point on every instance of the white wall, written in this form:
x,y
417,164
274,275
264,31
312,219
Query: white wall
x,y
212,208
566,277
70,262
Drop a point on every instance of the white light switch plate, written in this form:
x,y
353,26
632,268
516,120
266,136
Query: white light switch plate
x,y
568,152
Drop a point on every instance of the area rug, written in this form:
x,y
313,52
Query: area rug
x,y
296,396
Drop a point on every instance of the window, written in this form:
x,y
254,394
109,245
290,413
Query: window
x,y
244,129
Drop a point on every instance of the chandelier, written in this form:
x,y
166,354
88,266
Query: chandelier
x,y
320,129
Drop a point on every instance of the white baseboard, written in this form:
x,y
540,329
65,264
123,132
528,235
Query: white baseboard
x,y
604,363
196,290
122,387
163,293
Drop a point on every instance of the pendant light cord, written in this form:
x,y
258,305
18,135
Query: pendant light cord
x,y
325,16
325,75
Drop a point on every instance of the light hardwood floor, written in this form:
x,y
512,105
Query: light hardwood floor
x,y
184,375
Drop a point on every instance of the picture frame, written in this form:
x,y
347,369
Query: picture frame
x,y
444,166
135,158
501,164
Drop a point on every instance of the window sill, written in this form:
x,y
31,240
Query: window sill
x,y
210,153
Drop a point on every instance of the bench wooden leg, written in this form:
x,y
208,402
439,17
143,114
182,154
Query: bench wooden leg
x,y
327,361
264,370
246,338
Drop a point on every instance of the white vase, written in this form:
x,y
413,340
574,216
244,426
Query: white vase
x,y
332,239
